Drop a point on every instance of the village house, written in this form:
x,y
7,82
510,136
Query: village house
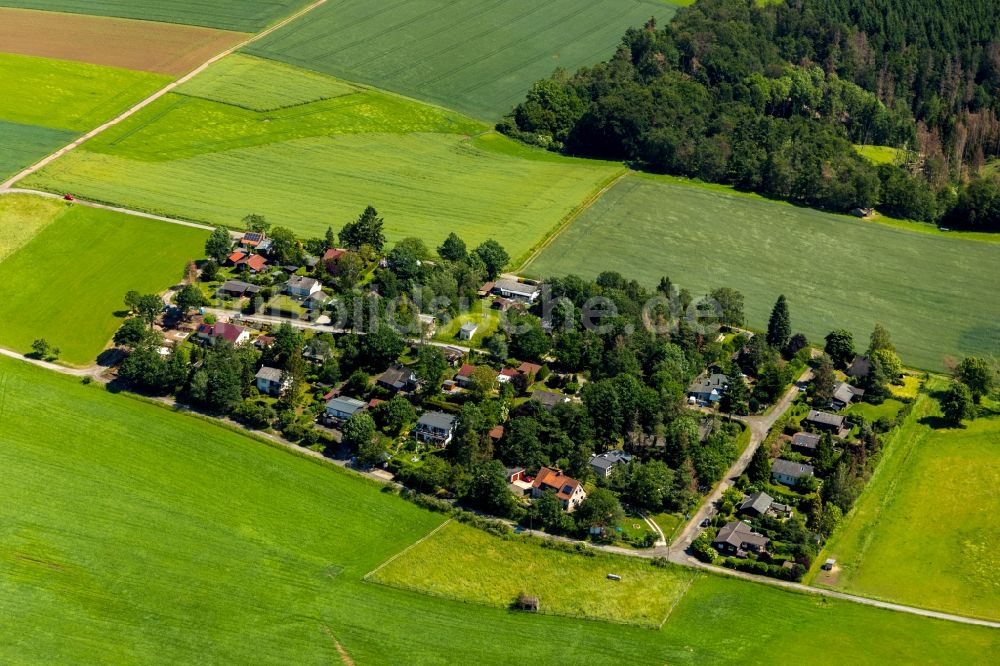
x,y
529,370
738,539
506,375
843,395
569,491
788,472
302,287
231,333
519,291
805,443
237,289
831,423
860,368
435,427
708,389
317,300
343,408
467,331
761,504
269,381
517,483
548,399
397,378
464,375
255,240
605,463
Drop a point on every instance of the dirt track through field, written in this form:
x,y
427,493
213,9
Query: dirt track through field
x,y
161,48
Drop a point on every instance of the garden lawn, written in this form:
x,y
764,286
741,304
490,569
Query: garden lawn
x,y
67,95
934,292
926,531
888,409
477,56
242,15
198,544
66,283
480,314
23,145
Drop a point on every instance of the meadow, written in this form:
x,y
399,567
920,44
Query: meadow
x,y
925,531
23,145
461,562
880,154
933,292
479,57
162,48
67,281
318,163
199,544
240,15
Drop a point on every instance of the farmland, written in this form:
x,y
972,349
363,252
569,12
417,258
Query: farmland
x,y
933,292
924,532
162,48
479,57
319,162
26,144
68,280
239,15
188,537
461,562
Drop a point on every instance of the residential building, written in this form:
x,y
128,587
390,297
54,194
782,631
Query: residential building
x,y
861,367
708,389
516,482
435,427
467,331
529,370
737,538
832,423
252,240
548,399
843,395
236,257
519,291
317,300
220,330
757,504
569,491
397,378
464,376
343,408
299,286
805,443
237,289
788,472
269,381
506,375
605,463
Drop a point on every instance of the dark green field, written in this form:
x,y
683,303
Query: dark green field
x,y
23,145
936,294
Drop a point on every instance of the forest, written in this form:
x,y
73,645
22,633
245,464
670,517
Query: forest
x,y
774,99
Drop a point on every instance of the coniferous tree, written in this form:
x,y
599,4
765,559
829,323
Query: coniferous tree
x,y
779,326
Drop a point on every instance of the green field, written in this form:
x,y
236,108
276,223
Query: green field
x,y
926,532
129,534
933,292
23,145
68,280
888,409
477,56
21,218
242,15
461,562
319,163
68,95
880,154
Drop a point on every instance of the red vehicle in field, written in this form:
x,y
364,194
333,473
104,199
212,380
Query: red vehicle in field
x,y
69,197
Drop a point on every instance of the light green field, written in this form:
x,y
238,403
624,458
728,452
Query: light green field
x,y
130,534
933,292
880,154
242,15
477,56
262,85
23,145
68,95
68,280
926,532
888,409
319,164
461,562
21,218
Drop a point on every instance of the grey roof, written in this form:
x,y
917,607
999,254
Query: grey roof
x,y
609,459
791,469
345,405
845,393
438,420
738,533
302,282
469,327
513,287
805,440
239,286
759,502
860,367
710,383
270,374
396,376
825,418
548,398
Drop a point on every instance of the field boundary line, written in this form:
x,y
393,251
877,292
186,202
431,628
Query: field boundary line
x,y
405,550
45,161
569,218
670,611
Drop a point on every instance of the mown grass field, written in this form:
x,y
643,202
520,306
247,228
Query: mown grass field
x,y
241,15
23,145
479,56
66,282
933,292
461,562
68,95
197,544
926,532
880,154
319,163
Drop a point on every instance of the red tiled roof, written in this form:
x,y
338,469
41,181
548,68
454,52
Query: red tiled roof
x,y
509,372
529,368
236,256
221,329
252,238
466,370
374,402
255,262
555,480
333,254
496,432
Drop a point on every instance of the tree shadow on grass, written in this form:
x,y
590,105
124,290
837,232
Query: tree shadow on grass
x,y
938,423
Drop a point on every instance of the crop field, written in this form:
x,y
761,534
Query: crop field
x,y
926,531
68,95
199,544
319,163
477,56
461,562
933,292
21,218
68,280
162,48
23,145
239,15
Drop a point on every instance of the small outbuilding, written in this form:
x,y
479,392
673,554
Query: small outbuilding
x,y
528,602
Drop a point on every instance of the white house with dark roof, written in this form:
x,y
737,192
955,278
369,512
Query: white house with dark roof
x,y
269,381
708,389
519,291
435,427
737,538
343,408
299,286
605,463
788,472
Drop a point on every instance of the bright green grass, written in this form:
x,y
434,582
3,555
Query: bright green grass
x,y
262,85
934,293
486,318
888,409
242,15
21,217
66,283
477,56
461,562
23,145
668,523
129,534
68,95
926,531
879,154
